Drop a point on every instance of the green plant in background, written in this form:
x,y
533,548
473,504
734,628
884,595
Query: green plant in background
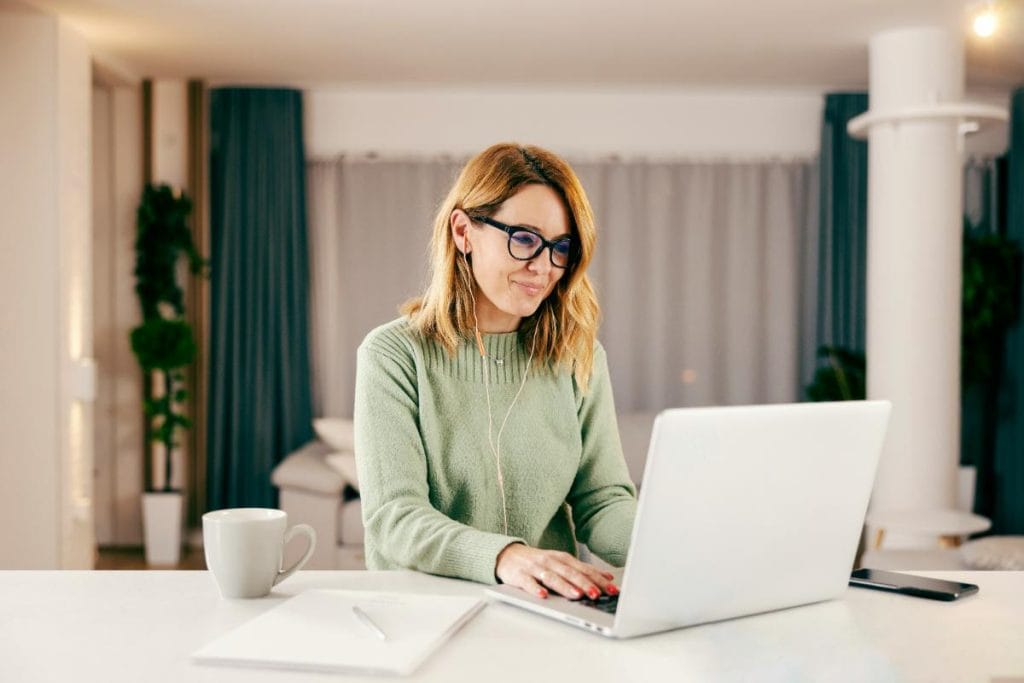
x,y
991,301
841,379
163,343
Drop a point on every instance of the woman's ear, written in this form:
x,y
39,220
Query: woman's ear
x,y
460,224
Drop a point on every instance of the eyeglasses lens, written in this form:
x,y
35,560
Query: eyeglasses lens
x,y
524,245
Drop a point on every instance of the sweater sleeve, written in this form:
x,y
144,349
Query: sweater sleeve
x,y
401,524
603,498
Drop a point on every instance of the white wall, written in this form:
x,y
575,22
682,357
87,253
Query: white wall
x,y
705,123
45,439
170,132
74,310
117,178
693,123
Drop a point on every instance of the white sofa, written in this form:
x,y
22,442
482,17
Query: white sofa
x,y
312,492
315,493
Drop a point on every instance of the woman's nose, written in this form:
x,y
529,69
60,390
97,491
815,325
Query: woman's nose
x,y
541,263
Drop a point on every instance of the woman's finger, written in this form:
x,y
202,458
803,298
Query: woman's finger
x,y
579,580
536,571
528,584
596,577
553,579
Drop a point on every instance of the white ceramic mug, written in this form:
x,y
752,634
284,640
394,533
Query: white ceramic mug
x,y
244,549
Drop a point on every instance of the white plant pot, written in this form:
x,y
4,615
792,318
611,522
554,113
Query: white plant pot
x,y
161,524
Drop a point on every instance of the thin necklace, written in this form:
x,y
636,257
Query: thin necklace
x,y
500,361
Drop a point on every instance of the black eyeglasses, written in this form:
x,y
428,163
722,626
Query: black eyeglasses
x,y
525,244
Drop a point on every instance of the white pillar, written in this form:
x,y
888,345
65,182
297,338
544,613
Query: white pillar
x,y
914,265
46,504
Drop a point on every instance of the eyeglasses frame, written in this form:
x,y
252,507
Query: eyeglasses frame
x,y
544,243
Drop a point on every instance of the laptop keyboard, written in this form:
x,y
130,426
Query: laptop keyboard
x,y
605,603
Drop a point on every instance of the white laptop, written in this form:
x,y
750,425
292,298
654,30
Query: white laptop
x,y
742,510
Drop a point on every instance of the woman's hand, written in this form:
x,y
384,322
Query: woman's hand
x,y
536,571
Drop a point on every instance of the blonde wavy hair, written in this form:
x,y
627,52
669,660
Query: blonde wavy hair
x,y
566,321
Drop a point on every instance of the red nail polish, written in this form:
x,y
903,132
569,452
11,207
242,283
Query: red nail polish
x,y
594,593
612,589
543,593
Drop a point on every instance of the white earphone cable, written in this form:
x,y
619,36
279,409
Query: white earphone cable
x,y
496,449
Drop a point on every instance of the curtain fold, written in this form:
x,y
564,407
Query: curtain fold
x,y
842,260
1008,517
984,214
370,223
260,406
697,270
697,273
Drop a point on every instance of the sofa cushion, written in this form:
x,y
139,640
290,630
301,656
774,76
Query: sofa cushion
x,y
306,469
350,523
994,552
345,465
337,432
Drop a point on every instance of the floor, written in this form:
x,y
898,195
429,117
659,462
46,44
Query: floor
x,y
134,558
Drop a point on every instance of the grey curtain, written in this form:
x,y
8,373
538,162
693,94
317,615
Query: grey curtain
x,y
370,223
1008,514
260,406
697,270
842,260
697,273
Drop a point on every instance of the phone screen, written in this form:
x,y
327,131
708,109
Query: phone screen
x,y
908,584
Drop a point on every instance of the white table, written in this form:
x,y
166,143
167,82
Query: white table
x,y
142,626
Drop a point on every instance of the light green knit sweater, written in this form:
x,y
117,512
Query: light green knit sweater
x,y
428,479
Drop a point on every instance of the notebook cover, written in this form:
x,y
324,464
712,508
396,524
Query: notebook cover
x,y
317,631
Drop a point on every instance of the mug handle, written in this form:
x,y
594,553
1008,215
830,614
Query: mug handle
x,y
310,533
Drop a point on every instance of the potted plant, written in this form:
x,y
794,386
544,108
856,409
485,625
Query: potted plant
x,y
842,379
163,344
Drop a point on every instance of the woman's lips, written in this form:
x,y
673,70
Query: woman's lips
x,y
532,290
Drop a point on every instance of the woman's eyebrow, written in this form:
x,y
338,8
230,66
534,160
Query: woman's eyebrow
x,y
540,232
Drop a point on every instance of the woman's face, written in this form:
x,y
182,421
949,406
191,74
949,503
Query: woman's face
x,y
509,290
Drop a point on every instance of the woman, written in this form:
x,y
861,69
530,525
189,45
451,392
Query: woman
x,y
486,438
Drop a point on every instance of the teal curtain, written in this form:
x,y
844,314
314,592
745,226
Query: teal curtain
x,y
842,242
984,215
1008,512
260,398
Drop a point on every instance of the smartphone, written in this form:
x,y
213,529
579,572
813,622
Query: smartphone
x,y
908,584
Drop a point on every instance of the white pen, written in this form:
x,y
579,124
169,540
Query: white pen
x,y
368,622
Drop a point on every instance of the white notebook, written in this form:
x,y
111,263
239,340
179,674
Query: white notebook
x,y
318,631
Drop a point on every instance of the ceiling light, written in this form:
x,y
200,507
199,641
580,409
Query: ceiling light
x,y
985,21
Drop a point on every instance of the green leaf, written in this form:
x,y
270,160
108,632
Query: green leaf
x,y
161,344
